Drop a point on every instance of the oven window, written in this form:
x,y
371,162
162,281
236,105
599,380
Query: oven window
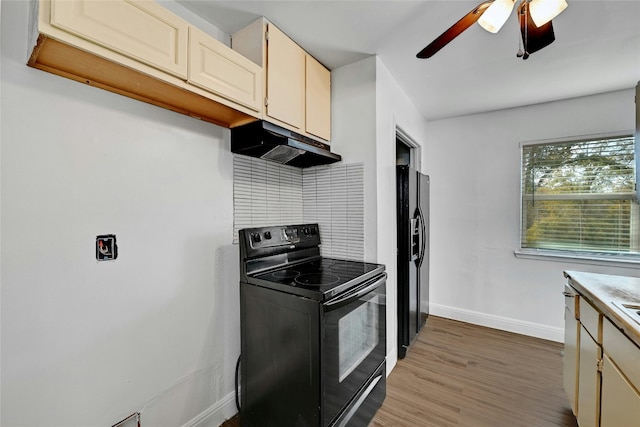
x,y
358,335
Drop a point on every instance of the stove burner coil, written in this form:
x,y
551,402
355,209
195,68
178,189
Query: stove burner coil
x,y
317,279
285,274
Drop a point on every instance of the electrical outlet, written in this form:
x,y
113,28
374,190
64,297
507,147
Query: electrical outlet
x,y
106,247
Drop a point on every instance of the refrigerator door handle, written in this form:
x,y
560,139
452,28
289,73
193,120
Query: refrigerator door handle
x,y
414,251
423,237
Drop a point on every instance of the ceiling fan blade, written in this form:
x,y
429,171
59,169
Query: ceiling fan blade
x,y
456,29
533,38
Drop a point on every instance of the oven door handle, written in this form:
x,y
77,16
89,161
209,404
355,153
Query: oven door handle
x,y
357,293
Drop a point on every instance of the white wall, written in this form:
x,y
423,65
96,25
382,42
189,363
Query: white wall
x,y
157,331
474,163
353,134
368,105
393,110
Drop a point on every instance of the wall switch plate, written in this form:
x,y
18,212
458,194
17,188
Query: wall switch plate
x,y
106,247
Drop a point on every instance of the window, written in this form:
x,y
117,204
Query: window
x,y
580,196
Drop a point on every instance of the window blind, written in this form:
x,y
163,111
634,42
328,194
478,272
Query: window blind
x,y
580,196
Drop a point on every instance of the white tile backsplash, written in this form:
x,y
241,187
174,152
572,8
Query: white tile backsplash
x,y
254,182
266,193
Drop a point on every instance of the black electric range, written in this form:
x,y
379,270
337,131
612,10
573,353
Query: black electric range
x,y
313,331
319,278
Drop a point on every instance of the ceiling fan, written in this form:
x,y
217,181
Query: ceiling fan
x,y
534,17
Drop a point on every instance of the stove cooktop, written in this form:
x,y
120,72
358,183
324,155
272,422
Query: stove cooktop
x,y
321,278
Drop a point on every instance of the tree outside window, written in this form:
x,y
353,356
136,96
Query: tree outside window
x,y
580,196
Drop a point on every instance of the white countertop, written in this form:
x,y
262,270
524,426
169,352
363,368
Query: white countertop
x,y
602,290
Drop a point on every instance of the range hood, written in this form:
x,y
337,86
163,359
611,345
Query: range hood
x,y
270,142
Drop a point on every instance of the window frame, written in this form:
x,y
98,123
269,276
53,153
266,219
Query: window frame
x,y
620,259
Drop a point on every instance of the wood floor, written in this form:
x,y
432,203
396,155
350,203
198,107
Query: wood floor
x,y
462,375
457,374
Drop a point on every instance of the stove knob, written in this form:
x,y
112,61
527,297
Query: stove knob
x,y
306,230
314,231
255,237
267,235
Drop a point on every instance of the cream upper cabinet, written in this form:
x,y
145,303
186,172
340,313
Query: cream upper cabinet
x,y
140,29
297,87
220,70
138,49
317,99
285,79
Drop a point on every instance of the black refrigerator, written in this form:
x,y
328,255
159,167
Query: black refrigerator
x,y
413,254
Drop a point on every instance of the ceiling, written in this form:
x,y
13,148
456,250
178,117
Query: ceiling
x,y
597,48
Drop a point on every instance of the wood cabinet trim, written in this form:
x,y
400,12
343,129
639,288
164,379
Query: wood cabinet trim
x,y
66,61
69,56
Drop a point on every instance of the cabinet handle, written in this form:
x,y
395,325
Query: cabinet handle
x,y
568,294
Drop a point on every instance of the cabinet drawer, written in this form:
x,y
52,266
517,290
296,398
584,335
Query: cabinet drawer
x,y
591,319
623,352
216,68
139,29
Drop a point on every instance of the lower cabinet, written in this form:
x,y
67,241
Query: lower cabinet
x,y
588,381
620,399
620,402
570,367
601,366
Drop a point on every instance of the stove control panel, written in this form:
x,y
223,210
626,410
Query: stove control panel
x,y
291,236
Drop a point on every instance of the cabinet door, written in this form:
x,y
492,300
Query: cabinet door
x,y
620,404
318,99
216,68
285,79
142,30
588,381
570,374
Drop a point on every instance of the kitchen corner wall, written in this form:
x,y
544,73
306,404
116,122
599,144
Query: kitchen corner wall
x,y
267,193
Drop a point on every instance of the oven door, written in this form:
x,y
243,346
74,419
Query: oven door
x,y
353,343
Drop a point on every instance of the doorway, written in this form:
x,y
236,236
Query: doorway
x,y
407,150
412,189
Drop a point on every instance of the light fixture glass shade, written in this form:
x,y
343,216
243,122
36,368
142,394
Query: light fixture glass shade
x,y
496,15
543,11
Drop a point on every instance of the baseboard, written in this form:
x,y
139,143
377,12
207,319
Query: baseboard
x,y
497,322
392,359
215,414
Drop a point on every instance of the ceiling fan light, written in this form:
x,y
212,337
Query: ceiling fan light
x,y
496,15
543,11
